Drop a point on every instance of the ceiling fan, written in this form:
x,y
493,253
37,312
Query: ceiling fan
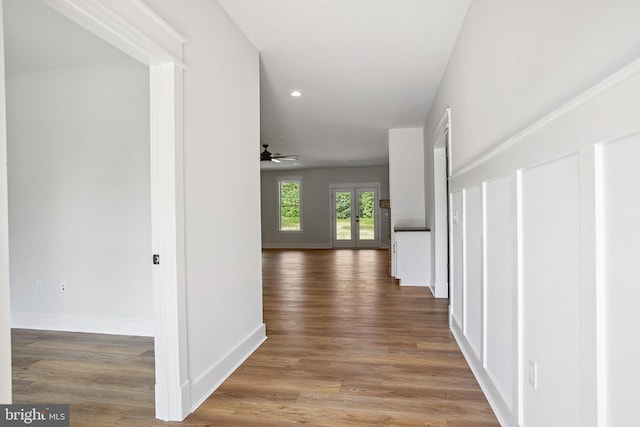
x,y
266,156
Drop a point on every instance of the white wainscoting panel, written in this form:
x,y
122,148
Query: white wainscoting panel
x,y
456,262
558,226
550,232
618,213
473,268
500,287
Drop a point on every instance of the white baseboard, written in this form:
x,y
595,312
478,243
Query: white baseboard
x,y
441,291
500,408
420,285
207,383
296,246
309,246
89,324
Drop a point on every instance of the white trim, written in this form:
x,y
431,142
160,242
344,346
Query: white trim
x,y
89,324
296,245
615,79
166,204
601,294
443,124
522,381
159,20
289,232
207,383
443,128
439,242
492,394
484,283
463,283
106,23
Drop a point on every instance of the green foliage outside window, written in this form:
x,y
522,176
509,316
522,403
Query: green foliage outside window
x,y
366,204
343,205
290,205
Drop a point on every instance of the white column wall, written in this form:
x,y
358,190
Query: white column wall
x,y
221,197
406,182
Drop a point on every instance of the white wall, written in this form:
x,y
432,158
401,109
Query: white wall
x,y
316,204
406,184
515,63
5,309
79,199
406,175
221,192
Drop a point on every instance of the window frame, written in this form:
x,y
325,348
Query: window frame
x,y
281,180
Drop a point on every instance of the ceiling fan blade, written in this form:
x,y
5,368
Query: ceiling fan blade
x,y
285,157
266,156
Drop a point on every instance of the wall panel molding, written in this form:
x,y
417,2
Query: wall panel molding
x,y
561,315
629,72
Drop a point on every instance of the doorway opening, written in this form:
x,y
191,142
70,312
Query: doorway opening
x,y
78,143
139,39
355,216
439,281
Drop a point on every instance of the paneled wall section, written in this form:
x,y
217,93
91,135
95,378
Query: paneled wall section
x,y
544,263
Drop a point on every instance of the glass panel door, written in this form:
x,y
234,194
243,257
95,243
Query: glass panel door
x,y
343,218
367,206
366,218
354,219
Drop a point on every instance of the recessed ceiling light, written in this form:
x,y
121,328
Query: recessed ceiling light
x,y
296,93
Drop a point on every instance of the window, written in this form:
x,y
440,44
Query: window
x,y
290,205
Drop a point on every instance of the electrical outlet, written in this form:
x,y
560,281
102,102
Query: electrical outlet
x,y
39,286
63,287
533,374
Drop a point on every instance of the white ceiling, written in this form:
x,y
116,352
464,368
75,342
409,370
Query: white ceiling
x,y
363,66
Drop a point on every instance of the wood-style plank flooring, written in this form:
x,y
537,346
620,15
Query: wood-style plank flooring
x,y
347,347
105,378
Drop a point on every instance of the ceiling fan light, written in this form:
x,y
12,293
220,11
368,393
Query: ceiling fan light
x,y
296,93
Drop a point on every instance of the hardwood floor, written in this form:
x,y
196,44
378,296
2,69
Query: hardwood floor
x,y
103,377
347,347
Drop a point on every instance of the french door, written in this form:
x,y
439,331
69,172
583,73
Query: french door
x,y
355,217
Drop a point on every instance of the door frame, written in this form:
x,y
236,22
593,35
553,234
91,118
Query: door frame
x,y
439,281
355,186
137,30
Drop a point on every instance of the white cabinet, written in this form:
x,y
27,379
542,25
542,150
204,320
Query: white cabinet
x,y
412,256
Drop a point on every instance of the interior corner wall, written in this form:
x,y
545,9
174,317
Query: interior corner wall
x,y
79,199
5,309
221,192
316,204
527,132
